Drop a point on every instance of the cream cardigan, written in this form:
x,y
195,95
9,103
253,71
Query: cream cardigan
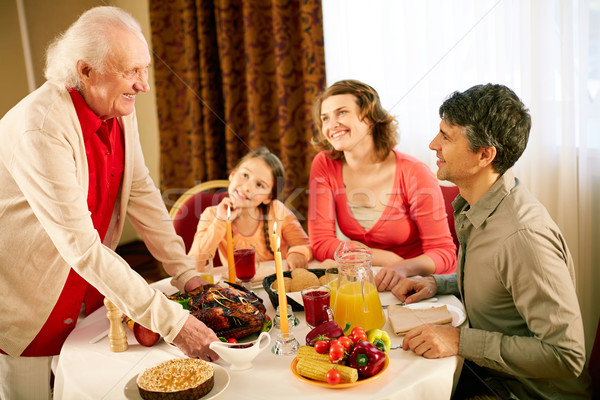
x,y
46,228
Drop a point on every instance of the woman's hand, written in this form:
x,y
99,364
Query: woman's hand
x,y
391,274
222,210
388,277
296,260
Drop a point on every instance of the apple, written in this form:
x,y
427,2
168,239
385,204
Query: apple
x,y
145,336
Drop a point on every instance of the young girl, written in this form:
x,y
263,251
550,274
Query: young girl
x,y
255,184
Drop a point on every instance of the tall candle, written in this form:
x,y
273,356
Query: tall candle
x,y
230,261
283,321
274,238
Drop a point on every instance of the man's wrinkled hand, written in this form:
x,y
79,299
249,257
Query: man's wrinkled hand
x,y
194,338
194,283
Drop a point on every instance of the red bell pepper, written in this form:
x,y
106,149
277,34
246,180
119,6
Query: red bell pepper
x,y
329,329
366,358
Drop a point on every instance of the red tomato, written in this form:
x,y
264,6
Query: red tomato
x,y
336,352
322,346
357,334
346,342
232,340
358,329
333,376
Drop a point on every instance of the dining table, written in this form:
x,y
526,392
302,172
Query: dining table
x,y
88,369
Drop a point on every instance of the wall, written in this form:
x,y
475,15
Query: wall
x,y
13,78
41,30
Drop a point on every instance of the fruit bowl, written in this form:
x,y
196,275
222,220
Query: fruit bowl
x,y
240,355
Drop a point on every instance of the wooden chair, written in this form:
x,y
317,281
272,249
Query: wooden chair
x,y
186,211
450,193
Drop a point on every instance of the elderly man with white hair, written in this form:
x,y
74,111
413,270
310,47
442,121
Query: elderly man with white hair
x,y
71,171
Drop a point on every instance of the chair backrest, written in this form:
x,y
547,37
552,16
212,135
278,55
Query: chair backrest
x,y
186,211
450,193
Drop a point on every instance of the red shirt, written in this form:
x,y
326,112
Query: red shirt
x,y
104,146
413,222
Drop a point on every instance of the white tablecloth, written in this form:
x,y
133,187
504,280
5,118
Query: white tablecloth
x,y
92,371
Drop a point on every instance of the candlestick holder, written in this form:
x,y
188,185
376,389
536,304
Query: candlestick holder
x,y
285,345
292,319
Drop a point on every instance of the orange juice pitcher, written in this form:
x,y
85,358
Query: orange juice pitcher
x,y
356,297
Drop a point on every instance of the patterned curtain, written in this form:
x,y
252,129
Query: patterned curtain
x,y
232,75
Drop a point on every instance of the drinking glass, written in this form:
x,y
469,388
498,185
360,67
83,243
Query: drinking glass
x,y
204,265
316,305
245,265
331,281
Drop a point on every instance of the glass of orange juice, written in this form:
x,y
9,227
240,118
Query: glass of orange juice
x,y
204,265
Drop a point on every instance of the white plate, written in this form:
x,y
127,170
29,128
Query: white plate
x,y
221,382
458,316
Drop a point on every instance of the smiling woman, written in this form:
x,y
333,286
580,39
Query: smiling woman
x,y
376,195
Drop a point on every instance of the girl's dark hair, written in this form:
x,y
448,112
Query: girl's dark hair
x,y
385,126
278,172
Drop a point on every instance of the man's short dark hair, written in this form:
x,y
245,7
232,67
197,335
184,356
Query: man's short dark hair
x,y
491,115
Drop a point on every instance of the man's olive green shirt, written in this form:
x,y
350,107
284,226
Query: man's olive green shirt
x,y
515,277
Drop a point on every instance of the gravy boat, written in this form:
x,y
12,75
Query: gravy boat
x,y
241,358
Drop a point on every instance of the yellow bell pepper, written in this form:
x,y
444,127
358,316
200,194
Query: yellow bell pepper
x,y
380,339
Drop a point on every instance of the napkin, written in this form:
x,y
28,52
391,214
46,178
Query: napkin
x,y
265,269
403,319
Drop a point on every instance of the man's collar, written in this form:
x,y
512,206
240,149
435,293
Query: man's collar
x,y
486,205
89,121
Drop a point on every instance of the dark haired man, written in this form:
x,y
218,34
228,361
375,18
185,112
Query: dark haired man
x,y
515,274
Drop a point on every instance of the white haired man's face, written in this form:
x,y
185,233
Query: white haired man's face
x,y
112,93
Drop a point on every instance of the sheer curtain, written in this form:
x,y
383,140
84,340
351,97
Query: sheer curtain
x,y
415,53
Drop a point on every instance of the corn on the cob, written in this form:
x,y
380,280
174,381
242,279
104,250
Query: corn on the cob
x,y
310,353
317,370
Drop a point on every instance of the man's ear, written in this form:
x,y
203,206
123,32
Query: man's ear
x,y
83,70
487,155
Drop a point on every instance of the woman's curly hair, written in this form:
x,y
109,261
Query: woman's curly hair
x,y
385,126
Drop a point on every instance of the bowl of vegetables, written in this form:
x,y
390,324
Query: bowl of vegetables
x,y
333,359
